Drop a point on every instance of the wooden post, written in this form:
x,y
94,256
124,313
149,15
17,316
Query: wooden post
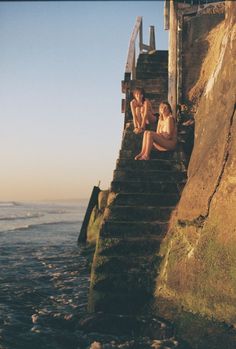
x,y
179,57
172,62
141,36
152,41
92,202
167,15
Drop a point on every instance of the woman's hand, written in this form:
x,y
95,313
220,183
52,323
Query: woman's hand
x,y
138,130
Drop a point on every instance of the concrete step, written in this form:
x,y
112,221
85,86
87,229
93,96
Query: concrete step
x,y
147,75
156,69
156,164
115,228
130,154
157,96
153,63
147,187
150,85
131,140
153,176
139,199
128,246
140,213
158,56
120,264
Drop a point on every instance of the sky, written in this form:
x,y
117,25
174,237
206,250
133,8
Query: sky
x,y
61,67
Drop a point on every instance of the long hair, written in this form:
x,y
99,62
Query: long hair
x,y
142,91
168,106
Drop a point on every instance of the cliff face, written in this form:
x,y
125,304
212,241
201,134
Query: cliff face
x,y
198,271
197,41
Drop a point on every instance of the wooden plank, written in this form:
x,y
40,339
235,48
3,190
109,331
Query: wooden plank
x,y
93,201
131,50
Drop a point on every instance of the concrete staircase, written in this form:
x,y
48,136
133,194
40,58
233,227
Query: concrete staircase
x,y
143,195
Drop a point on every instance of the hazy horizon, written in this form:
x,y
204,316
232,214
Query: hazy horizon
x,y
61,67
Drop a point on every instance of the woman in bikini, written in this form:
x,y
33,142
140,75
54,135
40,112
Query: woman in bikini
x,y
141,110
165,137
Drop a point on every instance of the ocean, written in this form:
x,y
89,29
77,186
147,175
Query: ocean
x,y
44,278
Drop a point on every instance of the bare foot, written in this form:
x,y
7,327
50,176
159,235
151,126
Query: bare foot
x,y
138,156
143,157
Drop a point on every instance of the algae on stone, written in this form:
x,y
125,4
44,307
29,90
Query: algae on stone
x,y
96,217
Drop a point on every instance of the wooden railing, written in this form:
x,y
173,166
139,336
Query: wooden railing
x,y
131,59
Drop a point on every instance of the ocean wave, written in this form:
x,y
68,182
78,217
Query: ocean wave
x,y
27,216
32,226
57,211
8,204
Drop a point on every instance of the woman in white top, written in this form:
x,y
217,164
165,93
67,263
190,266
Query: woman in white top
x,y
141,111
165,137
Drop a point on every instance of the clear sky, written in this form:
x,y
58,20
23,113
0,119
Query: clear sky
x,y
61,66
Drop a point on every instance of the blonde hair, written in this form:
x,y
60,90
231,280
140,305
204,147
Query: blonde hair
x,y
166,103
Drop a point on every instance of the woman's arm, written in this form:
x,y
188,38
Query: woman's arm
x,y
158,126
170,127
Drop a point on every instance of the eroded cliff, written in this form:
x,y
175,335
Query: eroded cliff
x,y
198,272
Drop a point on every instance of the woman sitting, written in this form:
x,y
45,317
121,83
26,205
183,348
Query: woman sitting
x,y
141,110
165,137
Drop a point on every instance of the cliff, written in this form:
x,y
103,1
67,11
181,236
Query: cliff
x,y
198,270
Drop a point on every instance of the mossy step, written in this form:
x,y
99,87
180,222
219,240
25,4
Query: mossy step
x,y
149,75
127,246
149,175
119,264
138,213
143,199
124,229
155,69
130,186
124,282
134,302
132,141
154,164
130,154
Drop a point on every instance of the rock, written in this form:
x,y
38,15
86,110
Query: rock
x,y
198,271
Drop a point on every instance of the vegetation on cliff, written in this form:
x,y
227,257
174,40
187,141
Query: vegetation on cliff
x,y
198,272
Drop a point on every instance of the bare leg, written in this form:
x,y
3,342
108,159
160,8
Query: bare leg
x,y
148,145
143,146
154,139
136,113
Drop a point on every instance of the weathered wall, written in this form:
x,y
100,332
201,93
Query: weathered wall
x,y
198,271
196,43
